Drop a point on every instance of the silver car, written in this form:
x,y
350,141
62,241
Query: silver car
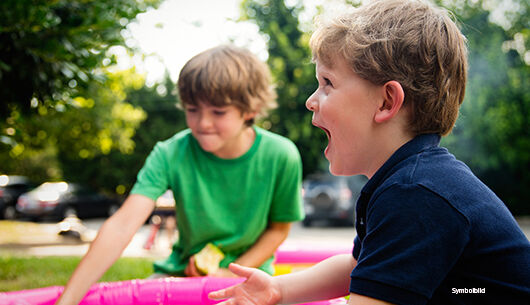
x,y
331,199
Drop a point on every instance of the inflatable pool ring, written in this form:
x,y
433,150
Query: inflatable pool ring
x,y
175,291
167,291
294,257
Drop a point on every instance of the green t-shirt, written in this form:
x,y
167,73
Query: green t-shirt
x,y
228,202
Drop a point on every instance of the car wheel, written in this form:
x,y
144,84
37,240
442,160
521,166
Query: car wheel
x,y
112,209
10,213
69,211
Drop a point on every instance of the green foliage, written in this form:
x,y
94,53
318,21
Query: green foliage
x,y
17,273
62,114
102,138
294,76
492,134
164,119
117,170
90,150
50,49
75,136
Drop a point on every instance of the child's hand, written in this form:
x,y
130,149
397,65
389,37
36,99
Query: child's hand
x,y
191,269
259,288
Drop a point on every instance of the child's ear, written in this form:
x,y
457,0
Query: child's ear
x,y
249,115
393,96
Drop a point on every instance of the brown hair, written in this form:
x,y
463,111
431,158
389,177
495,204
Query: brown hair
x,y
227,75
408,41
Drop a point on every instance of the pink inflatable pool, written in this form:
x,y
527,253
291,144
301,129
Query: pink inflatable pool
x,y
174,291
309,253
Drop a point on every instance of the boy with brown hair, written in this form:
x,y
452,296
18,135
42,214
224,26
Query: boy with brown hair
x,y
391,79
235,185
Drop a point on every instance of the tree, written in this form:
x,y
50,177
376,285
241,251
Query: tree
x,y
163,120
50,49
74,137
492,134
294,76
60,108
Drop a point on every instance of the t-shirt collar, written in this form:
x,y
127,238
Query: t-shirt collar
x,y
419,143
246,155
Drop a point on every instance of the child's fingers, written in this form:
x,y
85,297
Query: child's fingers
x,y
229,292
222,294
227,302
241,270
191,270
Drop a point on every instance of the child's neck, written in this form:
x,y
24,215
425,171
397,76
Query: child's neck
x,y
387,147
241,144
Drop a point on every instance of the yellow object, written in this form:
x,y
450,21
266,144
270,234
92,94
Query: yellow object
x,y
208,259
280,269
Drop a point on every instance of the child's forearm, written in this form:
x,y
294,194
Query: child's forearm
x,y
326,280
266,245
111,240
102,253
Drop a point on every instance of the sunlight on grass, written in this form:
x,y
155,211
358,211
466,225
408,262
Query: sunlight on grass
x,y
18,273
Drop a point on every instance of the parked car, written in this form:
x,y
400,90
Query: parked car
x,y
63,199
331,199
11,187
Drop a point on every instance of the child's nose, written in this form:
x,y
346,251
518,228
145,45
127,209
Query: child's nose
x,y
205,121
312,104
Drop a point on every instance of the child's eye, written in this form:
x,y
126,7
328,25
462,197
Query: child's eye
x,y
191,109
328,82
219,112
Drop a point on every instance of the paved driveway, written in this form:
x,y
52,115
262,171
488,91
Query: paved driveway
x,y
315,236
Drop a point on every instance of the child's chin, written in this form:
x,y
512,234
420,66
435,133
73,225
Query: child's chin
x,y
334,171
209,148
338,171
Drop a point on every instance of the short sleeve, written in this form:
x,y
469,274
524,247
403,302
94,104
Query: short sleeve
x,y
152,179
413,239
356,247
286,203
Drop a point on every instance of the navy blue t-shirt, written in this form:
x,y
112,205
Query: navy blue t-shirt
x,y
430,232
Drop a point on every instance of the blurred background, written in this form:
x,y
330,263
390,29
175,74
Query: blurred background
x,y
87,88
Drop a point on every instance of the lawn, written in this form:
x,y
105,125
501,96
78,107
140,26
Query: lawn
x,y
17,273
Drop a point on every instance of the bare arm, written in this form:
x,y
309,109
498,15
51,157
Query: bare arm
x,y
326,280
257,254
113,237
266,245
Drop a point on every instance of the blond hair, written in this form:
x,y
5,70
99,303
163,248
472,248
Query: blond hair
x,y
227,75
408,41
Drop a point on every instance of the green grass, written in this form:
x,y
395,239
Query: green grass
x,y
17,273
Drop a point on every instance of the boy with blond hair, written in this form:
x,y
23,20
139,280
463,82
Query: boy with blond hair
x,y
236,186
391,79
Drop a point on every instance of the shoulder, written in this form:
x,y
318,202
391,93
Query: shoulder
x,y
180,137
178,141
277,144
435,173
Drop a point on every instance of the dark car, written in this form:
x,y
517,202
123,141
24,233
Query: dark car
x,y
331,199
11,187
62,199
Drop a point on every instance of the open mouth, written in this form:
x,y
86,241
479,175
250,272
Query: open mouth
x,y
328,134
